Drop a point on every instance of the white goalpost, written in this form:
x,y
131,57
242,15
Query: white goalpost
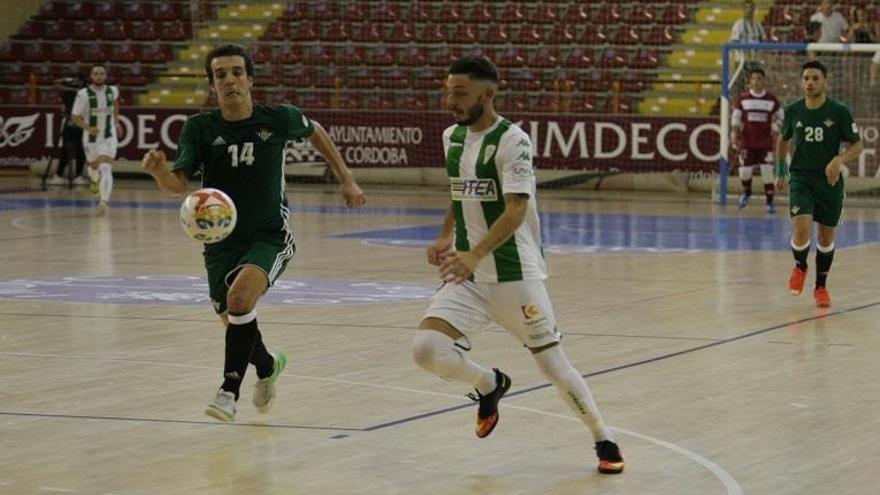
x,y
853,77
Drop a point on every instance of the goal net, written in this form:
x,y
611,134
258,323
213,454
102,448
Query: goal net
x,y
849,80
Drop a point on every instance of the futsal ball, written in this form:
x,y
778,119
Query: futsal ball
x,y
208,215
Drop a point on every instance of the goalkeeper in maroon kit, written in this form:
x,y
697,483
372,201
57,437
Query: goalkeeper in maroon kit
x,y
757,117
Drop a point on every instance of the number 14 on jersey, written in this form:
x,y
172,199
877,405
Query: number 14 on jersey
x,y
246,156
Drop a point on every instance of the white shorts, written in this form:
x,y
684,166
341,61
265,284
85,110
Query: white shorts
x,y
523,308
100,147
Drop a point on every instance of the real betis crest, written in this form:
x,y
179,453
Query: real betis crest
x,y
264,134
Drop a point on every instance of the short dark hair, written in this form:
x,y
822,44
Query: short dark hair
x,y
757,70
99,64
815,64
229,50
477,67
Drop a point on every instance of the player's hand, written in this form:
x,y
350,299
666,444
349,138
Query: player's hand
x,y
92,130
832,171
153,162
457,267
354,196
439,250
780,184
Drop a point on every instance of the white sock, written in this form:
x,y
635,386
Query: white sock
x,y
437,353
573,389
106,184
93,173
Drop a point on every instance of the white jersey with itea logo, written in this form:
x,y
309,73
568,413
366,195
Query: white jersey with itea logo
x,y
482,167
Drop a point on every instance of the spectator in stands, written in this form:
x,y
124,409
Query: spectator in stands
x,y
747,29
71,135
833,23
862,29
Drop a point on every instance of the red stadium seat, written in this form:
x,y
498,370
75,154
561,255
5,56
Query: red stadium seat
x,y
124,53
633,80
386,12
563,34
338,31
429,78
350,55
443,56
546,14
483,12
135,75
168,11
609,14
369,31
106,30
515,102
432,33
514,13
594,35
290,53
302,77
175,30
330,77
524,80
400,32
136,11
95,53
156,53
627,35
661,35
578,58
675,14
421,12
546,56
379,102
583,103
411,55
274,32
379,55
321,11
496,34
317,55
479,51
511,57
448,12
48,95
59,30
577,15
611,58
33,52
350,101
13,73
395,78
261,52
144,31
464,34
9,52
529,34
302,31
594,80
355,11
64,52
52,10
645,59
362,78
312,100
642,14
78,10
294,11
410,101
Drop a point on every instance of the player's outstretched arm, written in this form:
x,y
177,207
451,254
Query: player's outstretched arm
x,y
352,193
155,164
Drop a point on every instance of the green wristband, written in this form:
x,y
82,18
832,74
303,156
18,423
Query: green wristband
x,y
781,168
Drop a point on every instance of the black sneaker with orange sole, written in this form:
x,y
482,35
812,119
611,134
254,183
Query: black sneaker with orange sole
x,y
487,415
610,460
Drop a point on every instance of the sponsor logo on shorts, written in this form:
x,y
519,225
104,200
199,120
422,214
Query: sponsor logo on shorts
x,y
216,304
473,189
530,311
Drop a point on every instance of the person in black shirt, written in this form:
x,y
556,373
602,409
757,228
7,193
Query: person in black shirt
x,y
71,137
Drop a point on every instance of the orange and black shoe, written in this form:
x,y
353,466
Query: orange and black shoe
x,y
823,297
796,282
610,460
487,415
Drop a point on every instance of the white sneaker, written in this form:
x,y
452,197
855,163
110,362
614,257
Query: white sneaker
x,y
102,208
55,181
223,407
264,389
80,181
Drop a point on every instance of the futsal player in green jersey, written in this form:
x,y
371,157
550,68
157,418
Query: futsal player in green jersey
x,y
814,130
239,149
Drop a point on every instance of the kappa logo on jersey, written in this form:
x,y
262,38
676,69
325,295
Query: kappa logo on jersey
x,y
264,134
219,141
473,189
524,142
530,311
828,123
489,153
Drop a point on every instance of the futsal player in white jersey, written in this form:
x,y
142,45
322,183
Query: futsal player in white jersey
x,y
489,256
96,111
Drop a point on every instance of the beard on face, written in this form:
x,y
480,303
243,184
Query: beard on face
x,y
473,113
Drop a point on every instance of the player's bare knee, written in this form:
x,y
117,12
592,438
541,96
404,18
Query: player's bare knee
x,y
238,303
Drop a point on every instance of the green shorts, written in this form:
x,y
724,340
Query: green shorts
x,y
269,252
814,196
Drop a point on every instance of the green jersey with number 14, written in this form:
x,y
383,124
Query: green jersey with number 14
x,y
244,159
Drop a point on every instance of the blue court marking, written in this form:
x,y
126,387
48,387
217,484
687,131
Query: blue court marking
x,y
589,232
565,232
635,364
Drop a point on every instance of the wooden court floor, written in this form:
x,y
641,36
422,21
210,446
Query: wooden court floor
x,y
715,379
